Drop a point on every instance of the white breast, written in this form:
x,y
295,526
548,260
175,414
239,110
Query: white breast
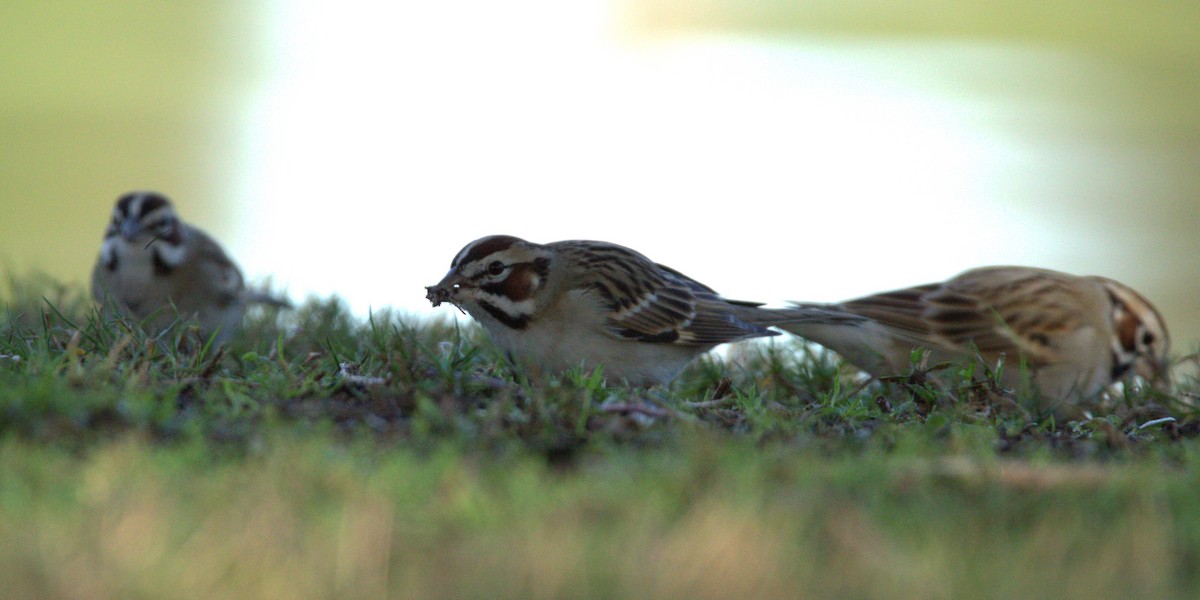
x,y
134,282
573,334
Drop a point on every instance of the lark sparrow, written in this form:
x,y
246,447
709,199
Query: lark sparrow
x,y
1077,335
555,306
158,268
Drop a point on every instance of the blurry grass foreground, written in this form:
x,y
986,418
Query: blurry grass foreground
x,y
305,517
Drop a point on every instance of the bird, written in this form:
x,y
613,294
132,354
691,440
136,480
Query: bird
x,y
1076,335
157,268
579,303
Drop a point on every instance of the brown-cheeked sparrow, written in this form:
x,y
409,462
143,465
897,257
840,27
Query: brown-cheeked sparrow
x,y
159,269
552,307
1076,335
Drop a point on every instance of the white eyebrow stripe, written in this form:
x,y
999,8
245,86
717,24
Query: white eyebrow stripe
x,y
135,204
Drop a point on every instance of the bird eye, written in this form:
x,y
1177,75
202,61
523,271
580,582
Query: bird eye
x,y
1147,338
495,268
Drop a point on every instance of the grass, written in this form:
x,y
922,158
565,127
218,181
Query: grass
x,y
319,456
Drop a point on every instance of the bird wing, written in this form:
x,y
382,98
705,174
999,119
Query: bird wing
x,y
214,266
995,310
649,302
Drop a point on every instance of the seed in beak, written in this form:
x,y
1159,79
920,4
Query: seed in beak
x,y
436,295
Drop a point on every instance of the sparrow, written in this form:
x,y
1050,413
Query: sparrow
x,y
158,269
552,307
1076,335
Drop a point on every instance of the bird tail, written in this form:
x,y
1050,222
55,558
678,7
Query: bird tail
x,y
799,314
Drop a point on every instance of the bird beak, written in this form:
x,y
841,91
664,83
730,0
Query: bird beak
x,y
442,290
130,228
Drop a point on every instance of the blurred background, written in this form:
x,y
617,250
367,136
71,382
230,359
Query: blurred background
x,y
774,150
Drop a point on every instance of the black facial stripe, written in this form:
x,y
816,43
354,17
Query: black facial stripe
x,y
160,266
495,289
1119,368
518,322
170,233
111,264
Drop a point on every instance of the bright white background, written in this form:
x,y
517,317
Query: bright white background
x,y
384,139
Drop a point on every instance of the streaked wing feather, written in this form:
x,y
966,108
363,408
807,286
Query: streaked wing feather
x,y
680,315
985,309
939,316
654,303
901,310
